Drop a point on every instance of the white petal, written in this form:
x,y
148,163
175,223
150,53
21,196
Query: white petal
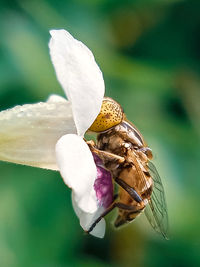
x,y
79,76
56,99
86,220
78,170
28,133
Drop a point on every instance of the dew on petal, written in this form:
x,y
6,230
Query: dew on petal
x,y
103,184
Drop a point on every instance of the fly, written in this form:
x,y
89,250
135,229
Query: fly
x,y
125,154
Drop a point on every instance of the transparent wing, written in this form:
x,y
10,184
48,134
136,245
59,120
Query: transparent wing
x,y
156,210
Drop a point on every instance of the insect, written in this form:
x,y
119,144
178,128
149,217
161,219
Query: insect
x,y
125,154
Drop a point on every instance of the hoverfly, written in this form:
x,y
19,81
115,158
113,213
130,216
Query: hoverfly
x,y
125,154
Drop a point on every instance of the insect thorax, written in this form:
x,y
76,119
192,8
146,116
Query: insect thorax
x,y
124,140
119,137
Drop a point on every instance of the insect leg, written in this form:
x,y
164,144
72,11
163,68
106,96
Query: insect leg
x,y
104,154
130,190
115,196
126,207
109,209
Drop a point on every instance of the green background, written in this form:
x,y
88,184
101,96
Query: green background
x,y
149,52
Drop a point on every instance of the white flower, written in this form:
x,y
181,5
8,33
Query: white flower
x,y
50,134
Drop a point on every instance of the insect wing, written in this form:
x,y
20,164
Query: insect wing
x,y
156,210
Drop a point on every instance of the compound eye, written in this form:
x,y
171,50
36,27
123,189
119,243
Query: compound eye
x,y
110,115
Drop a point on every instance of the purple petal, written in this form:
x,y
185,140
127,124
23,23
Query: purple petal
x,y
103,185
97,160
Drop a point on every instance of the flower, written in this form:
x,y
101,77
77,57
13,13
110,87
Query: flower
x,y
50,134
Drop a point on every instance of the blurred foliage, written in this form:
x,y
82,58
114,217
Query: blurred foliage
x,y
149,53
